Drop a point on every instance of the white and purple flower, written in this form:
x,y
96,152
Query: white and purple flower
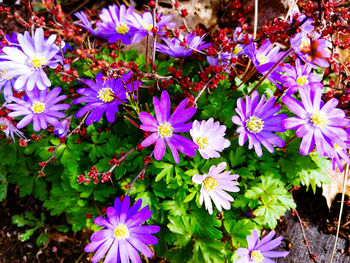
x,y
214,184
27,63
210,138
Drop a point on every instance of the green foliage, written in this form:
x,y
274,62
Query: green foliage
x,y
188,232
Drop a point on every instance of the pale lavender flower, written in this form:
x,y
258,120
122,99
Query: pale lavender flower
x,y
123,235
7,127
257,121
38,107
174,48
6,86
214,184
85,23
260,251
28,62
210,138
337,154
317,123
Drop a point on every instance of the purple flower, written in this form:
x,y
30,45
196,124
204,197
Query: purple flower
x,y
174,48
28,63
257,121
163,128
38,107
6,86
123,235
103,96
85,22
144,24
337,154
317,123
214,187
305,45
222,59
9,129
300,77
265,58
260,251
62,128
115,24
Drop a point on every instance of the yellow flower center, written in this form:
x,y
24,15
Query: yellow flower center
x,y
262,59
337,147
319,119
38,107
305,43
237,49
2,73
209,184
254,124
165,130
256,256
3,126
148,27
121,232
202,142
122,29
38,61
302,80
106,94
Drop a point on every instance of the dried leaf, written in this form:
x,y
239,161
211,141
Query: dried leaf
x,y
330,191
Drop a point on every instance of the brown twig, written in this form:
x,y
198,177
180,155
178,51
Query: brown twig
x,y
311,255
142,172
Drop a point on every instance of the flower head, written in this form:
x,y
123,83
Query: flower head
x,y
62,129
103,96
264,58
317,123
38,107
115,24
337,154
164,128
214,184
176,48
209,136
144,24
260,251
300,77
85,23
123,235
257,121
7,127
28,62
6,85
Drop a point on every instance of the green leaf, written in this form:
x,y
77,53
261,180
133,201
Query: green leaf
x,y
27,234
190,197
42,239
166,169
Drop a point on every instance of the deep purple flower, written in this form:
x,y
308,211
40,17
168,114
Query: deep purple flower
x,y
28,62
38,107
300,76
260,251
115,24
144,24
62,128
85,23
7,127
317,123
257,121
163,128
123,235
103,96
174,48
264,58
